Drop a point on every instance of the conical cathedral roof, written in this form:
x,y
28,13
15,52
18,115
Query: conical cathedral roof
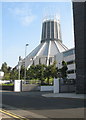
x,y
51,44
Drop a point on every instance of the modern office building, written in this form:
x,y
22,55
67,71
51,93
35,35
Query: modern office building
x,y
50,45
79,15
69,57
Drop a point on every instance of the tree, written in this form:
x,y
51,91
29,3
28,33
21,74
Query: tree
x,y
22,70
36,72
51,71
54,70
6,69
31,72
39,70
9,69
47,73
14,74
63,70
42,72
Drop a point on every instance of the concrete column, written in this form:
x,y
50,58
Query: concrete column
x,y
56,85
17,85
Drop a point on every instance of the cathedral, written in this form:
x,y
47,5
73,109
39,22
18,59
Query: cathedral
x,y
50,45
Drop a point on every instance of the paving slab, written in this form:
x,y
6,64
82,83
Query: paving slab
x,y
65,95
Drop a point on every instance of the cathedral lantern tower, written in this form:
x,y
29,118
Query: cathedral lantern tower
x,y
51,30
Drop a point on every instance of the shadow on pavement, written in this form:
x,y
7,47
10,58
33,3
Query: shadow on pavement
x,y
34,100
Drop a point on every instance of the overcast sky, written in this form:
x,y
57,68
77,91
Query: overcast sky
x,y
22,23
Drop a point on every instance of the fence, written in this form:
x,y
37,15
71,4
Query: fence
x,y
67,85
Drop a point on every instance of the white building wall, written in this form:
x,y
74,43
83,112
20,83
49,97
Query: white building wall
x,y
70,57
71,67
72,76
60,57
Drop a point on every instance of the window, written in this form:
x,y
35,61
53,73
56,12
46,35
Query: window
x,y
48,29
71,71
71,62
52,28
69,52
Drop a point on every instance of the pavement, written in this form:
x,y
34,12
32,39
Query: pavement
x,y
2,115
57,95
65,95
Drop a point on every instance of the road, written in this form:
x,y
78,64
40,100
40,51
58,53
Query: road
x,y
33,105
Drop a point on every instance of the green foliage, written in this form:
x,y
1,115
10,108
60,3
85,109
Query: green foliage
x,y
9,73
6,69
63,70
22,72
36,72
11,84
40,72
51,72
43,72
31,72
6,76
14,74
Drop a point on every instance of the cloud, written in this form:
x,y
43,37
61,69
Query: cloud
x,y
23,15
27,20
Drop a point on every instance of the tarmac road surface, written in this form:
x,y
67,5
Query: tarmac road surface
x,y
34,105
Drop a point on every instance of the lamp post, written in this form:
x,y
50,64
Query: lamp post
x,y
19,66
19,70
25,61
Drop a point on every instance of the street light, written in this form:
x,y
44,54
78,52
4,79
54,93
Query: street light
x,y
19,70
19,66
25,61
